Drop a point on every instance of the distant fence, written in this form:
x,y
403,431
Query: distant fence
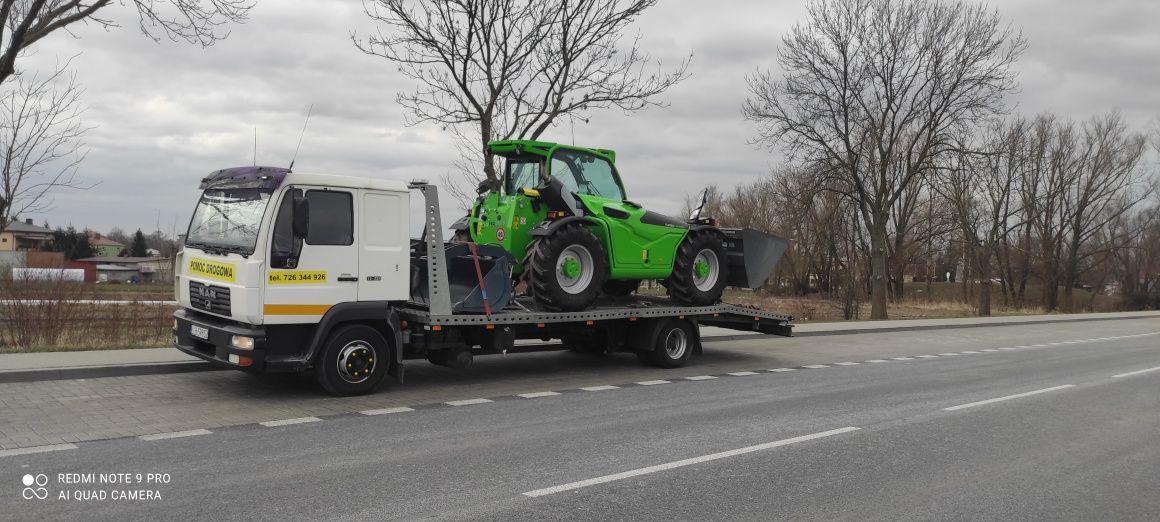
x,y
49,274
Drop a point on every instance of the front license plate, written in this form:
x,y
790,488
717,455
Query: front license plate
x,y
200,332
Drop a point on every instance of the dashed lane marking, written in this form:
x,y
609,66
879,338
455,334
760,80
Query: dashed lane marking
x,y
287,422
780,370
700,378
1009,397
387,411
686,462
742,374
1137,372
175,435
537,395
600,388
467,402
654,383
815,366
36,449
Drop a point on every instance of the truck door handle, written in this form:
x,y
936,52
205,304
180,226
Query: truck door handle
x,y
348,278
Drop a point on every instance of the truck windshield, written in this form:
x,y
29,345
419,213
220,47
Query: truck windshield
x,y
228,220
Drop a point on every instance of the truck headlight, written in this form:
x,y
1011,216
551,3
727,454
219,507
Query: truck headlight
x,y
242,342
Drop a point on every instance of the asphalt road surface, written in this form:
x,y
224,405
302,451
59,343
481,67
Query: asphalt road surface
x,y
1058,422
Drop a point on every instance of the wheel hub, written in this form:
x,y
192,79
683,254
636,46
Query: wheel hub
x,y
571,268
706,270
356,362
574,269
676,342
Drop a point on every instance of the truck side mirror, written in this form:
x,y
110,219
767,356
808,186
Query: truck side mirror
x,y
301,223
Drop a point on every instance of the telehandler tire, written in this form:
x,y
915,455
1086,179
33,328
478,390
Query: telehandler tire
x,y
567,269
699,270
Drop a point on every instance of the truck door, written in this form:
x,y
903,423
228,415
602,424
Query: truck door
x,y
384,258
307,276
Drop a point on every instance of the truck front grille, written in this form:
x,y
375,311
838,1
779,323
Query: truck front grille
x,y
210,298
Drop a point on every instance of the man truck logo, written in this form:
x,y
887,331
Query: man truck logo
x,y
297,277
212,269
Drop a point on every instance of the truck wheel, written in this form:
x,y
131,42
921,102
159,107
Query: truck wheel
x,y
354,360
674,343
620,287
699,270
568,269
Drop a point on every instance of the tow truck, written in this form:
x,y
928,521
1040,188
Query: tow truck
x,y
295,272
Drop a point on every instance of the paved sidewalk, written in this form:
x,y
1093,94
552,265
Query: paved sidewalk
x,y
144,361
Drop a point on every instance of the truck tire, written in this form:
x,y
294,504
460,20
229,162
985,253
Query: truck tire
x,y
620,287
354,360
568,269
699,270
675,341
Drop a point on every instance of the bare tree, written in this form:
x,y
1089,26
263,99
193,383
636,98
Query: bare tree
x,y
25,22
878,89
511,69
981,184
40,141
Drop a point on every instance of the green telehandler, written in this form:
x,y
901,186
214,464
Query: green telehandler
x,y
562,212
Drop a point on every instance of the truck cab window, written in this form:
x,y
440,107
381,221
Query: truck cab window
x,y
331,218
285,248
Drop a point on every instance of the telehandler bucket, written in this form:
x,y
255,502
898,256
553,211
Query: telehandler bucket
x,y
751,256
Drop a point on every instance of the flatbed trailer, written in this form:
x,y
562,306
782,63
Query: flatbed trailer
x,y
354,345
655,328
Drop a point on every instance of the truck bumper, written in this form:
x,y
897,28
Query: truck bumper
x,y
216,346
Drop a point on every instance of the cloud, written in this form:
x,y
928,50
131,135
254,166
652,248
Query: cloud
x,y
168,113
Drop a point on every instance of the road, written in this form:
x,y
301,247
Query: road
x,y
1013,422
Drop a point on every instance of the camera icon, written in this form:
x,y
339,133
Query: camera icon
x,y
34,486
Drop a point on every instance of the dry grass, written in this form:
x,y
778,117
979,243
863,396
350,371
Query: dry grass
x,y
44,316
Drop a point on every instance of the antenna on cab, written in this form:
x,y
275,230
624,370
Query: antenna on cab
x,y
309,111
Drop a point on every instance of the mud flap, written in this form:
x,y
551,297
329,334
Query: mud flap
x,y
752,255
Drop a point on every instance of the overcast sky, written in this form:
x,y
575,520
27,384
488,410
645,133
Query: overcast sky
x,y
165,114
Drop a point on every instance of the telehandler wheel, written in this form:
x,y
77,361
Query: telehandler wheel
x,y
699,270
620,287
567,269
353,361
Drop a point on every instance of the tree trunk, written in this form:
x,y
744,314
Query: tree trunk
x,y
985,298
878,271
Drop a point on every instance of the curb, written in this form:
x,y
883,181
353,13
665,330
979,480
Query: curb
x,y
129,370
96,372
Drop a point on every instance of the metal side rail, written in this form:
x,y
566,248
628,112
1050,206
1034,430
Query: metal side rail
x,y
721,315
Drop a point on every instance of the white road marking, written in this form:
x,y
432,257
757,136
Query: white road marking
x,y
877,361
926,356
287,422
601,388
815,366
948,354
1038,345
175,435
653,383
536,395
742,374
1007,348
36,449
1009,397
779,370
1029,346
990,350
902,358
1137,372
467,402
700,378
846,364
969,351
686,462
387,411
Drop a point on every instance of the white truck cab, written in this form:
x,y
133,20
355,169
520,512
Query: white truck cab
x,y
270,252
